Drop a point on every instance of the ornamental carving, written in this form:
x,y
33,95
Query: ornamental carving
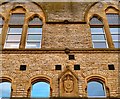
x,y
68,84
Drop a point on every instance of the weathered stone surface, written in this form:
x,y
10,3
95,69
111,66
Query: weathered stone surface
x,y
57,35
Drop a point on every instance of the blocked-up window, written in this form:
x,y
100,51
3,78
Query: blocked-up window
x,y
96,89
1,24
5,89
114,24
14,31
98,34
34,34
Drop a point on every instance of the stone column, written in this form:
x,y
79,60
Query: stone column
x,y
19,85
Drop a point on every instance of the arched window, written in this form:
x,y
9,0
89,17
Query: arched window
x,y
98,34
15,29
1,24
95,89
40,89
5,89
34,35
114,25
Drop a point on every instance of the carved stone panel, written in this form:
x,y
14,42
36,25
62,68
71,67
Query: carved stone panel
x,y
68,84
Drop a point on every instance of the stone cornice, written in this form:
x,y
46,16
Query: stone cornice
x,y
43,51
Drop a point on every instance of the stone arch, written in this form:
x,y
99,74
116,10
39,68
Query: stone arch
x,y
39,7
41,18
8,79
112,7
18,7
68,84
35,15
103,79
87,11
40,15
39,78
98,78
97,16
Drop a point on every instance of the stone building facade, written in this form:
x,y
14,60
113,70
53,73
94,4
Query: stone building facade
x,y
65,33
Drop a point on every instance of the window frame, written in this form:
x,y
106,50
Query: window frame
x,y
11,19
39,26
114,26
8,32
12,34
118,34
103,33
1,25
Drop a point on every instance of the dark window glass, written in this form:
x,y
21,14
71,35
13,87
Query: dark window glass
x,y
95,21
113,19
57,67
22,67
71,57
77,67
35,21
111,67
17,19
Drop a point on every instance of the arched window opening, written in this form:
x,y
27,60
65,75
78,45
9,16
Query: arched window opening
x,y
40,89
98,34
5,89
15,30
1,24
114,25
34,35
96,89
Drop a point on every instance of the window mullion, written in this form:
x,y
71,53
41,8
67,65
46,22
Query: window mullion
x,y
108,35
